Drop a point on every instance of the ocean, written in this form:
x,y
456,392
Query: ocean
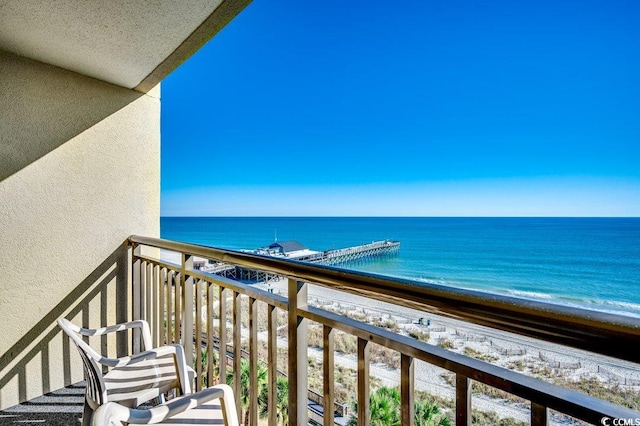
x,y
584,262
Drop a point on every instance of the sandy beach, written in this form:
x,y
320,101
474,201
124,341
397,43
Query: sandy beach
x,y
522,354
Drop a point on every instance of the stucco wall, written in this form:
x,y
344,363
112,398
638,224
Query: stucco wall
x,y
79,173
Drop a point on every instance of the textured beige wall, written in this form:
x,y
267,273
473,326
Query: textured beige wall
x,y
79,173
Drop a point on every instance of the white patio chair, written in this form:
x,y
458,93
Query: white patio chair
x,y
131,380
200,408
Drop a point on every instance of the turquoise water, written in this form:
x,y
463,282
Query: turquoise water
x,y
587,262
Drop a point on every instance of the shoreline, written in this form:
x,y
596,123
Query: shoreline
x,y
607,306
601,305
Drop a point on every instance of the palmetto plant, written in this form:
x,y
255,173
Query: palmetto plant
x,y
282,402
203,362
384,407
427,414
384,410
244,386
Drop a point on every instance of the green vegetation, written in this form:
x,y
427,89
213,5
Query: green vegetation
x,y
478,418
478,388
389,324
384,410
419,334
616,394
468,351
244,386
517,365
445,343
282,402
346,380
481,418
203,362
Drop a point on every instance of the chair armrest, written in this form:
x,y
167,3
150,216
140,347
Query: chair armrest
x,y
113,411
143,325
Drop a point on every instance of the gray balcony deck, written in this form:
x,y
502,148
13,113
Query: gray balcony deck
x,y
59,408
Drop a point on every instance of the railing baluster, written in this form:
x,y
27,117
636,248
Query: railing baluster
x,y
156,305
298,365
253,360
149,295
209,327
143,288
177,312
406,389
198,334
463,400
237,350
222,334
162,315
135,301
328,374
272,358
539,415
170,312
364,355
187,327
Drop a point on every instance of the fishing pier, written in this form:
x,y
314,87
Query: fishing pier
x,y
365,251
293,250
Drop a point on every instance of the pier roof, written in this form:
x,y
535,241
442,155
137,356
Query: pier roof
x,y
288,246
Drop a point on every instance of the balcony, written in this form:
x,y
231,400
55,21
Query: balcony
x,y
268,330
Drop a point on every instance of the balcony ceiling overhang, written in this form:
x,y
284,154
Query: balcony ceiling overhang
x,y
133,44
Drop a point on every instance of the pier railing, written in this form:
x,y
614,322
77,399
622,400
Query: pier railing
x,y
375,248
181,302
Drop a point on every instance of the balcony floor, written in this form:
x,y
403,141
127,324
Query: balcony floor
x,y
59,408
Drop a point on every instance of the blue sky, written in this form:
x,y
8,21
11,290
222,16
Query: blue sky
x,y
412,108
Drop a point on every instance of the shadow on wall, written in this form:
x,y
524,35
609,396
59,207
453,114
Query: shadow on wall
x,y
32,351
31,128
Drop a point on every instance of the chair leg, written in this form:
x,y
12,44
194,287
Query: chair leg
x,y
87,414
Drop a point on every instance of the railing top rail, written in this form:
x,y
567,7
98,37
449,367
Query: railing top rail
x,y
600,332
553,396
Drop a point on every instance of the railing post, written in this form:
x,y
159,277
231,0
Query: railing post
x,y
135,299
407,390
272,348
187,311
539,415
298,365
123,297
463,400
328,373
364,355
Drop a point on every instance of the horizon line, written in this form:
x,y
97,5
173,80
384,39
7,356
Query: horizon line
x,y
401,216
